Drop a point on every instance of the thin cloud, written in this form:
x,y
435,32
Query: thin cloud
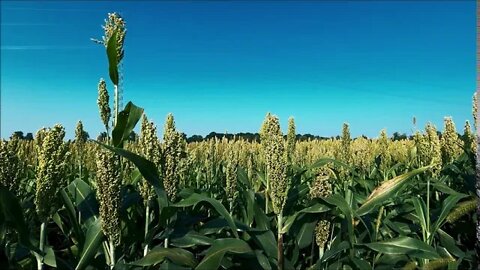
x,y
25,24
43,47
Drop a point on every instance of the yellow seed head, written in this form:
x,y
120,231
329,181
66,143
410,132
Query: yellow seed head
x,y
449,143
322,231
150,149
10,168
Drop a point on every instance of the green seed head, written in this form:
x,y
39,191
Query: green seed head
x,y
231,173
469,138
434,148
449,143
108,194
10,168
274,152
385,154
291,136
103,103
150,148
80,134
174,149
51,171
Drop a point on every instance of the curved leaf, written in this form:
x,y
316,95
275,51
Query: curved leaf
x,y
386,190
159,254
93,241
127,120
196,198
405,245
217,251
112,58
147,169
314,209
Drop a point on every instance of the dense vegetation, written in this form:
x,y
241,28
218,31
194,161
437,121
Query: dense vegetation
x,y
232,203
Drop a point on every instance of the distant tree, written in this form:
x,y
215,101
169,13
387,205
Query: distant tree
x,y
195,138
17,135
102,136
29,137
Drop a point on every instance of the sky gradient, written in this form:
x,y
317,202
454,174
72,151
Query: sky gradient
x,y
221,66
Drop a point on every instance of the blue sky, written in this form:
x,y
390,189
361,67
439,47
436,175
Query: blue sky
x,y
221,66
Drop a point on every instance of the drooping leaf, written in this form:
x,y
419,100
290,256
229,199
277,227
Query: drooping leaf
x,y
158,254
387,189
147,169
196,198
405,245
217,251
314,209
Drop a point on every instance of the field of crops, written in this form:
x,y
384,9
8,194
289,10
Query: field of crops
x,y
278,203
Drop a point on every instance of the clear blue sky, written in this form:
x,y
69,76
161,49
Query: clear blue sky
x,y
221,66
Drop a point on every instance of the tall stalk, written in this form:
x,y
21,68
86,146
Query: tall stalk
x,y
147,221
112,254
280,242
41,247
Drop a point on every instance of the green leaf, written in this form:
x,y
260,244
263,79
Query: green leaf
x,y
267,241
191,239
386,190
217,251
147,169
49,258
262,260
72,215
361,264
196,198
93,242
112,58
159,254
127,120
314,209
421,211
405,245
341,203
305,236
449,243
84,199
335,249
12,215
447,205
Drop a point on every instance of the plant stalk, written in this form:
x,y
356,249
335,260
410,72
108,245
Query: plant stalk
x,y
147,221
41,246
112,254
280,242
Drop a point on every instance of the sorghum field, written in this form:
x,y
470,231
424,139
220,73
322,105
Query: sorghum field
x,y
277,203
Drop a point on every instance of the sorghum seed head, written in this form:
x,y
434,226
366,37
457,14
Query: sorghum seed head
x,y
322,231
103,103
150,148
291,136
10,168
113,23
449,143
51,171
108,194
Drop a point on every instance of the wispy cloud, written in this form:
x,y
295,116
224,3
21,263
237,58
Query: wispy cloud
x,y
44,47
50,9
25,24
